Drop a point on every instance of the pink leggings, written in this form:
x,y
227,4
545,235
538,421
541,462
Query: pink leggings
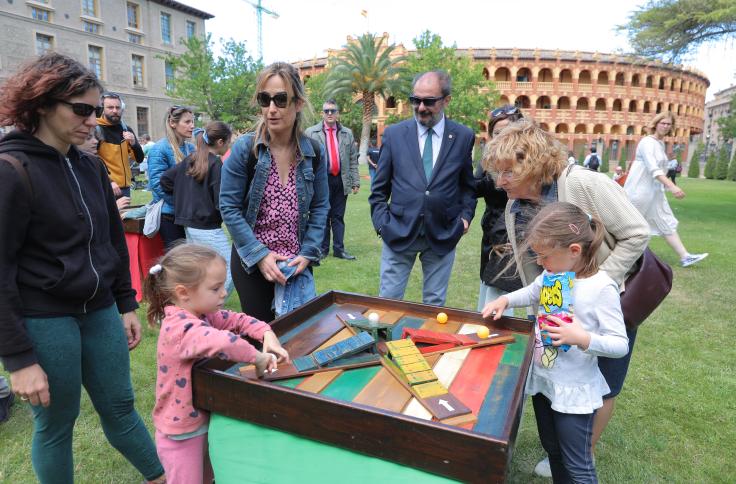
x,y
185,461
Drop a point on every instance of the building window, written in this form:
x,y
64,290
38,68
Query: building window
x,y
135,38
133,16
94,56
44,43
91,27
89,8
169,75
141,116
165,28
41,14
191,29
137,69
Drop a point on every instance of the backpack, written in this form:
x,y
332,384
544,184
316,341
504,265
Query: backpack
x,y
594,163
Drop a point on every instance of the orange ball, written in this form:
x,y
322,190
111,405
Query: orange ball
x,y
441,318
483,332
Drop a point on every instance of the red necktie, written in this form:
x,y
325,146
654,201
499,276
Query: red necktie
x,y
334,157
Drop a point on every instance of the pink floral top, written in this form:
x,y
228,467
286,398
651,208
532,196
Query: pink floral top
x,y
277,223
185,338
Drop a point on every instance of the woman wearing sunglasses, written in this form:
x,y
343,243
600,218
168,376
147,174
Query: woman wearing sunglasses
x,y
166,153
274,195
64,279
496,277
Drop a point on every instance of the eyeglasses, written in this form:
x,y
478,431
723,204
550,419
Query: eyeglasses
x,y
83,109
427,101
280,99
505,175
328,111
504,111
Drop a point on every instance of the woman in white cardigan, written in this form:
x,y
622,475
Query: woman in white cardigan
x,y
531,166
647,182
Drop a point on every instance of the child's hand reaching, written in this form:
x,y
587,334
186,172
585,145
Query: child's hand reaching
x,y
271,345
496,308
265,362
567,333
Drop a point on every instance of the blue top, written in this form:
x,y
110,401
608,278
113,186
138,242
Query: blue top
x,y
160,159
239,206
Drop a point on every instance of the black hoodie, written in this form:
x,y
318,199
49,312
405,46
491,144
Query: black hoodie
x,y
62,247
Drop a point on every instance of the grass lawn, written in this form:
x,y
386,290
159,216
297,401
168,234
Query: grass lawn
x,y
675,419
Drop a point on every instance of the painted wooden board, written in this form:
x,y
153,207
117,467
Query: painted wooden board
x,y
493,413
350,383
447,406
432,325
417,410
430,389
344,334
448,365
316,330
350,346
384,392
317,382
409,321
391,317
474,378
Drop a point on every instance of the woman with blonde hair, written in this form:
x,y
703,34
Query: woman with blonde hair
x,y
647,182
274,196
531,166
167,152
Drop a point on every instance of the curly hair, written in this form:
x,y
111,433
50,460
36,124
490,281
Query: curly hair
x,y
42,83
539,158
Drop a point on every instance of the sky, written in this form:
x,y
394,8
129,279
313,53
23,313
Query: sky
x,y
307,28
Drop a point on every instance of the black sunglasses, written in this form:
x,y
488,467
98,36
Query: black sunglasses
x,y
83,109
280,99
504,111
329,111
427,101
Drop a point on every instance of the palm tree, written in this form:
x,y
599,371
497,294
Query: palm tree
x,y
366,67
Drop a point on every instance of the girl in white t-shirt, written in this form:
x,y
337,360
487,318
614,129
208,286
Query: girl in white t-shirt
x,y
567,390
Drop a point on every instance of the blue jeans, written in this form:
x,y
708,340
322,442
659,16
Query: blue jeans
x,y
4,387
91,350
396,268
299,289
566,437
217,240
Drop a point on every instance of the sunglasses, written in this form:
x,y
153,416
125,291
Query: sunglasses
x,y
329,111
280,99
83,109
427,101
504,111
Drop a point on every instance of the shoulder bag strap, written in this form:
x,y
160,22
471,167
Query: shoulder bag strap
x,y
21,169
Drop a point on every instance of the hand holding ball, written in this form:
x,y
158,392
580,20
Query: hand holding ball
x,y
441,318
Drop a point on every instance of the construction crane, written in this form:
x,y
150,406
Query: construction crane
x,y
260,10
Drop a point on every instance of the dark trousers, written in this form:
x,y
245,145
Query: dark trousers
x,y
567,438
169,231
336,217
672,175
254,291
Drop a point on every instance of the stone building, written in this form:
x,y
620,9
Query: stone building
x,y
717,108
584,98
122,41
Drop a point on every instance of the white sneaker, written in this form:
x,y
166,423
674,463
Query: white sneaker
x,y
693,259
542,468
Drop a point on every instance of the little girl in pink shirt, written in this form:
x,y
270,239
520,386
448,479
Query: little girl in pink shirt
x,y
186,292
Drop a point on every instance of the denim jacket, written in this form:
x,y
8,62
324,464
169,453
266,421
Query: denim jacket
x,y
240,209
296,292
161,158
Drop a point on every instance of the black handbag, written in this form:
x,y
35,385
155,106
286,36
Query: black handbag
x,y
645,289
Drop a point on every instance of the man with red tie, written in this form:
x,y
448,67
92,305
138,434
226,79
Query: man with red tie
x,y
342,174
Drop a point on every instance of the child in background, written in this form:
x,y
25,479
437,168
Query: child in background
x,y
186,292
567,391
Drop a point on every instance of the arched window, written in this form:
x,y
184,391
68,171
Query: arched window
x,y
662,82
632,106
647,107
584,77
502,74
603,77
524,75
543,102
672,85
659,108
600,104
617,105
545,75
486,74
650,81
619,79
563,102
598,129
503,100
581,129
561,128
544,126
629,130
615,129
635,80
582,104
523,102
391,102
566,76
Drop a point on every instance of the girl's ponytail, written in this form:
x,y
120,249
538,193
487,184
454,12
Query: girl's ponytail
x,y
155,295
206,138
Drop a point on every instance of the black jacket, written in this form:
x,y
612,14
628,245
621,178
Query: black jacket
x,y
196,204
62,246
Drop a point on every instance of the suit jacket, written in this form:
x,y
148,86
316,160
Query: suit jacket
x,y
348,153
403,202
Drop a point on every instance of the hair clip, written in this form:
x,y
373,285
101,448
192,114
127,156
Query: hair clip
x,y
155,269
574,228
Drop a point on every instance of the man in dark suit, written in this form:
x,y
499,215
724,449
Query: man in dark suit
x,y
423,197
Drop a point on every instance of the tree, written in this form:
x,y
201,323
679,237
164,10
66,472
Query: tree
x,y
351,114
605,161
722,166
367,68
732,169
673,29
727,124
693,171
221,88
473,96
710,167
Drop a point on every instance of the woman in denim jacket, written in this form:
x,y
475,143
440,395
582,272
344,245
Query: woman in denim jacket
x,y
280,214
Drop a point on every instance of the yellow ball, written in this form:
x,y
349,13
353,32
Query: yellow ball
x,y
483,332
441,318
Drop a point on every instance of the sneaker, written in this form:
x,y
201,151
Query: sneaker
x,y
693,259
542,468
5,404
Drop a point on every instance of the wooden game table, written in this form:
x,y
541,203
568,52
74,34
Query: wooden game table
x,y
142,252
360,424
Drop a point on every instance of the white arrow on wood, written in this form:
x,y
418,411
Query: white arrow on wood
x,y
445,404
